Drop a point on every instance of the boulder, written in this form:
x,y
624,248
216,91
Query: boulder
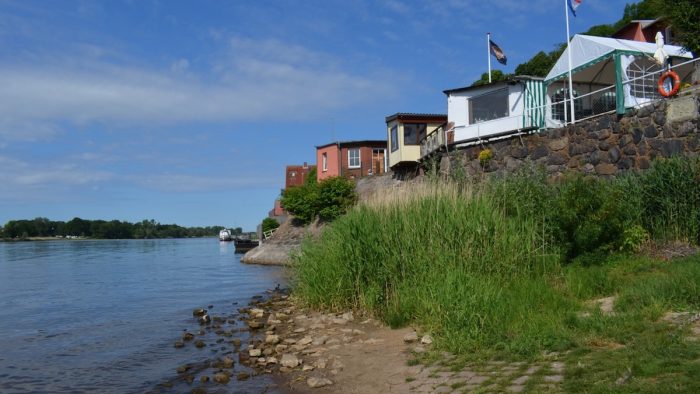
x,y
426,340
197,312
254,352
222,378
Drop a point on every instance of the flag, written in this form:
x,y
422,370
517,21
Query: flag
x,y
573,5
497,52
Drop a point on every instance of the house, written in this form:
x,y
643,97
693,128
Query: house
x,y
351,159
405,131
477,113
608,75
296,175
644,30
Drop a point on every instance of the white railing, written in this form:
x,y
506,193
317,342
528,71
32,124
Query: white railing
x,y
267,234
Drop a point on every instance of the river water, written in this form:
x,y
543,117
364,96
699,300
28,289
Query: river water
x,y
103,315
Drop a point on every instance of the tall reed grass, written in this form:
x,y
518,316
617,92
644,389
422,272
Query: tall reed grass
x,y
480,265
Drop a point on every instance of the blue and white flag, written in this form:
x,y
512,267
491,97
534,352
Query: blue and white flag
x,y
573,5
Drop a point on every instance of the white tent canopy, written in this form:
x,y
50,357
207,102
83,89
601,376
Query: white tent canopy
x,y
587,51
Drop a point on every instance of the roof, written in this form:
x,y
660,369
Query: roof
x,y
342,144
510,80
401,116
643,23
587,50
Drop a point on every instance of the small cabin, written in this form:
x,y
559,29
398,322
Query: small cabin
x,y
405,132
496,109
351,159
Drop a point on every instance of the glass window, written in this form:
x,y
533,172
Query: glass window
x,y
354,158
413,133
293,174
488,106
394,138
562,106
324,160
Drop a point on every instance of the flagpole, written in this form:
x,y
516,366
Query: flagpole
x,y
488,52
568,51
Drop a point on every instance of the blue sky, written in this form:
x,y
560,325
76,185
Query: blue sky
x,y
188,111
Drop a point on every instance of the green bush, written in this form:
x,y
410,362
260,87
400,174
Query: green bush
x,y
269,224
327,199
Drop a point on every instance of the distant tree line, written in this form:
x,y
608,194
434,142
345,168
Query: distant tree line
x,y
113,229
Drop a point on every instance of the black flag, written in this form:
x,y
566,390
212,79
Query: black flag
x,y
497,52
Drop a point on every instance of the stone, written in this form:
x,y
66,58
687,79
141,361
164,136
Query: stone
x,y
243,357
198,312
606,169
602,134
272,339
339,321
614,154
559,144
671,147
625,164
637,135
242,376
289,360
222,378
227,362
650,132
320,363
204,379
630,150
604,145
426,340
320,340
271,360
299,330
199,344
179,344
279,349
643,163
588,168
585,147
204,319
625,140
268,351
236,342
314,382
254,352
307,368
188,336
660,118
518,152
681,109
539,152
254,324
183,368
304,341
410,337
556,158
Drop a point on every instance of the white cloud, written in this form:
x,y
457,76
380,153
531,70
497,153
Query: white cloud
x,y
257,80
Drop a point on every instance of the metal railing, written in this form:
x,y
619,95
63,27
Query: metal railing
x,y
267,234
433,141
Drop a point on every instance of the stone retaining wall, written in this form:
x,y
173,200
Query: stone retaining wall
x,y
603,146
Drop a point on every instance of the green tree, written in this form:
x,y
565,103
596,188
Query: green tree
x,y
327,199
496,75
684,17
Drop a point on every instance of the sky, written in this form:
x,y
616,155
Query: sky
x,y
187,112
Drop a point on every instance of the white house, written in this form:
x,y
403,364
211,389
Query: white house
x,y
496,109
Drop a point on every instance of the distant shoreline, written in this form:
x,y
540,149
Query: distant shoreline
x,y
41,239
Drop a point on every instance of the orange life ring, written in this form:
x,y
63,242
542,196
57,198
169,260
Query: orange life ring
x,y
676,84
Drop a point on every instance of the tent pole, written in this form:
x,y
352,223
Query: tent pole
x,y
568,51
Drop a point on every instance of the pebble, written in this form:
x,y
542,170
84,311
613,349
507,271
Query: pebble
x,y
410,337
272,339
426,340
254,352
199,344
188,336
222,378
179,344
289,360
318,382
227,362
197,312
242,376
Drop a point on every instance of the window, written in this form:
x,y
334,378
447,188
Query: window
x,y
354,158
324,161
488,106
394,138
413,133
561,106
293,174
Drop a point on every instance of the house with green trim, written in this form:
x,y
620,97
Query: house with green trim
x,y
498,109
608,75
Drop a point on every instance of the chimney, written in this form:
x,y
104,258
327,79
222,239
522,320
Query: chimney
x,y
306,165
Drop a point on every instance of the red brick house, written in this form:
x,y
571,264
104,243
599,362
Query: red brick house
x,y
351,159
296,175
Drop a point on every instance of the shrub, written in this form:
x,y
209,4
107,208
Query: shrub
x,y
269,224
327,199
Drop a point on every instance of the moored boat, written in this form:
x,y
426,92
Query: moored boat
x,y
225,235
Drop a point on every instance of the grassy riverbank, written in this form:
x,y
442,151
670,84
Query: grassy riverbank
x,y
510,268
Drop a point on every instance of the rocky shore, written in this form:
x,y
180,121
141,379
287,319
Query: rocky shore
x,y
276,345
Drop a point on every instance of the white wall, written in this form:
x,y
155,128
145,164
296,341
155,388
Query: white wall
x,y
458,112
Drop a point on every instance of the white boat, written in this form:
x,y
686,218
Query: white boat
x,y
225,235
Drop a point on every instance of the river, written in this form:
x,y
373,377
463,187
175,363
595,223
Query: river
x,y
103,315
